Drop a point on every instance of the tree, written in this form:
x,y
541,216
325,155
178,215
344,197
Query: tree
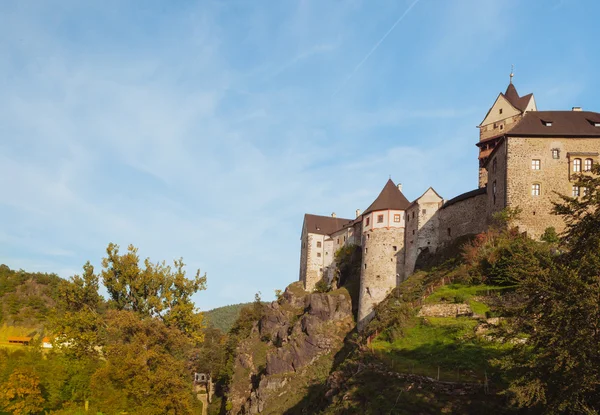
x,y
145,370
78,324
21,394
558,367
154,290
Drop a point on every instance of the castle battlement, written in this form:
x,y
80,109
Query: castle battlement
x,y
526,158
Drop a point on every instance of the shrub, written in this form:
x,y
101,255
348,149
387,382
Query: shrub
x,y
322,286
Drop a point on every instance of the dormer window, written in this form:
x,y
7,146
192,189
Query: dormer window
x,y
597,124
547,123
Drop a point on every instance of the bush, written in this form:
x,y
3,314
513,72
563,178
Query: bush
x,y
322,286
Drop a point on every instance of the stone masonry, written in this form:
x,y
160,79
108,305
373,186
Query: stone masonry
x,y
526,159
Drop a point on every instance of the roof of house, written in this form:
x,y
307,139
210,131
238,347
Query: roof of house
x,y
324,225
516,101
390,198
557,124
465,196
18,339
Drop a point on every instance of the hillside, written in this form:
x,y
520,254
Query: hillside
x,y
223,318
25,297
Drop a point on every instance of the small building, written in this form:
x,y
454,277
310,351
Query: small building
x,y
46,343
22,340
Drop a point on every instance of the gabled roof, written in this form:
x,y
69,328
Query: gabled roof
x,y
390,198
324,225
516,101
557,124
414,202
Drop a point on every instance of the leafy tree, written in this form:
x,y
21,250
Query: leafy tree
x,y
558,367
77,324
550,236
156,290
21,394
145,370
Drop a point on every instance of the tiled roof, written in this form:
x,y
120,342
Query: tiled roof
x,y
513,97
390,198
324,225
557,124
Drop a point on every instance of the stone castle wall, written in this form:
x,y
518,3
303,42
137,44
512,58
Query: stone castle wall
x,y
381,269
553,176
422,232
466,217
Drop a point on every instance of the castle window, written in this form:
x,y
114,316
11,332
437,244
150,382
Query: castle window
x,y
338,240
495,125
535,164
318,255
424,211
365,265
344,239
502,126
587,165
577,165
494,191
500,111
379,218
449,232
395,248
535,189
584,191
413,231
366,250
555,154
494,165
575,191
318,244
413,214
320,269
396,218
368,221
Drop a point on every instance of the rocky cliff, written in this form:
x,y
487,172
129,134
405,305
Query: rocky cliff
x,y
290,350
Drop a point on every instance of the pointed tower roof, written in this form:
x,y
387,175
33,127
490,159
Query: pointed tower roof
x,y
513,97
390,198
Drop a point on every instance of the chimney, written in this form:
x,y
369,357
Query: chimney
x,y
400,186
357,213
333,215
577,109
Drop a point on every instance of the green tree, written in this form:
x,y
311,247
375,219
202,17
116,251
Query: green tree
x,y
77,323
145,370
558,367
154,290
21,394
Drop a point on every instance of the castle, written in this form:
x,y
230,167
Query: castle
x,y
526,158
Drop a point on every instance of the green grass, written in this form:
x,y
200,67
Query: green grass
x,y
460,292
446,343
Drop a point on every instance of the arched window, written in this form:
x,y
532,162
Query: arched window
x,y
577,165
535,189
587,165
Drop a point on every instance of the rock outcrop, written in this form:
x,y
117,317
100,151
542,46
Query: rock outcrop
x,y
296,334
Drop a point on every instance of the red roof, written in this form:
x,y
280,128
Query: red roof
x,y
324,225
557,124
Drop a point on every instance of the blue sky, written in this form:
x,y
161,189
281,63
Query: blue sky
x,y
206,129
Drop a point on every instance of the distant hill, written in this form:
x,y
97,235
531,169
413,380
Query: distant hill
x,y
223,318
25,297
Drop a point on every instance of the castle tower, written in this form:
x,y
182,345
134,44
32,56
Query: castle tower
x,y
508,109
382,265
317,249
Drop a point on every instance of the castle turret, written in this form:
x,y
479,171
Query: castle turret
x,y
382,265
507,111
